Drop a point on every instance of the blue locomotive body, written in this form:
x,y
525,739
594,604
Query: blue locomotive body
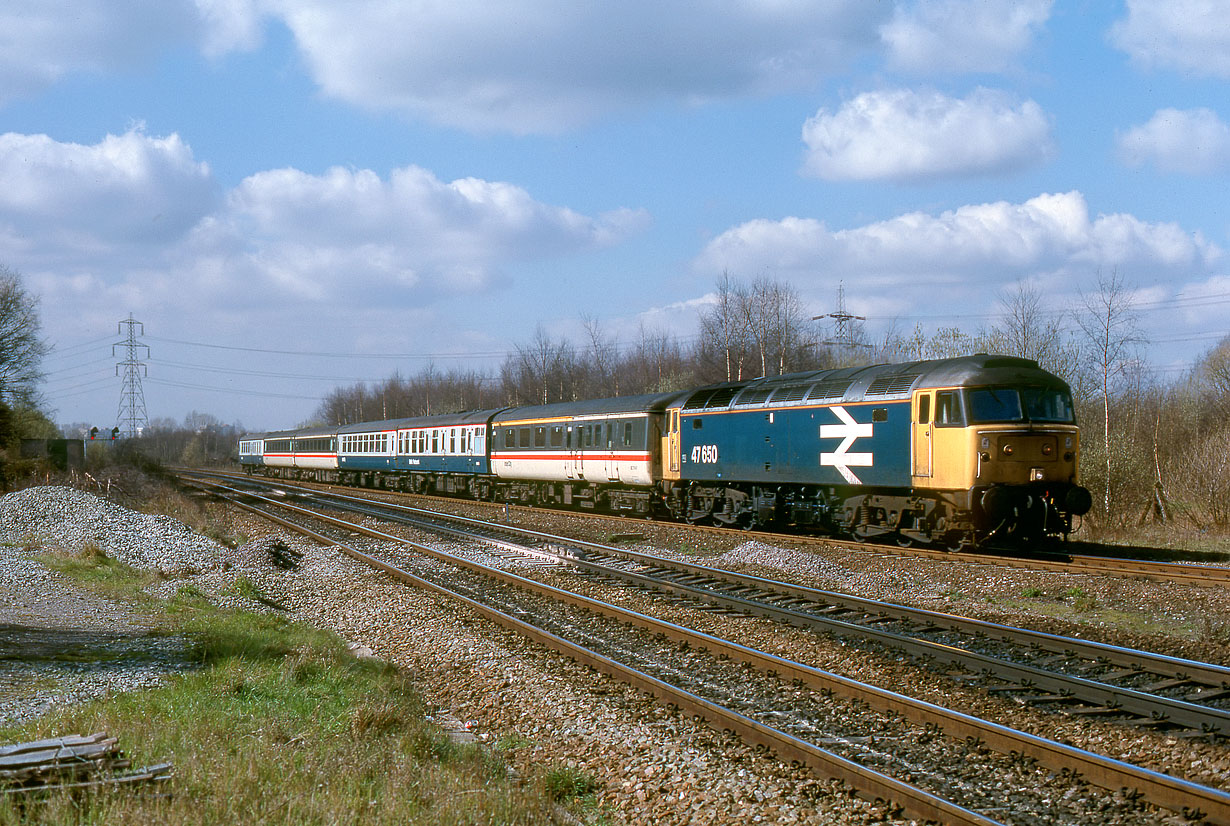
x,y
857,444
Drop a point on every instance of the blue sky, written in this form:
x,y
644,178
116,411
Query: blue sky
x,y
402,183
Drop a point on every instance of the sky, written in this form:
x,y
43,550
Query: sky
x,y
289,195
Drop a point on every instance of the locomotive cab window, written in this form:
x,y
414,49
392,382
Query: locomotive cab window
x,y
948,409
1034,404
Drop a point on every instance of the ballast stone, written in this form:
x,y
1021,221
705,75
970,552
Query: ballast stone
x,y
71,519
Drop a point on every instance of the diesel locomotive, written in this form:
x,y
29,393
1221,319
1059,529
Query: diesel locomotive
x,y
948,452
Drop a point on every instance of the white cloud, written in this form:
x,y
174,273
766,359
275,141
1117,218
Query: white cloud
x,y
349,228
42,41
962,35
229,24
906,135
142,216
906,257
69,201
1192,36
525,66
1192,142
521,66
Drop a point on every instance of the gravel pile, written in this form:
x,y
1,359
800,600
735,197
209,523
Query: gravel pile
x,y
71,519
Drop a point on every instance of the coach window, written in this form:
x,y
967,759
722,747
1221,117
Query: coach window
x,y
523,437
557,436
589,435
948,409
627,434
540,437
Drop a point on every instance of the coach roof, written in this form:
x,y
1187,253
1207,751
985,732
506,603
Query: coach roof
x,y
646,403
468,417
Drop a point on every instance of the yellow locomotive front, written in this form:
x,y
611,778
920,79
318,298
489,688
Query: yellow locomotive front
x,y
1003,455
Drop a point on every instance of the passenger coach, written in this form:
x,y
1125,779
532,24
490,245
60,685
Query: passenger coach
x,y
426,454
604,453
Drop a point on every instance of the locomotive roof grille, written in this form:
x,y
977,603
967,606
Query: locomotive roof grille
x,y
754,395
790,393
721,397
888,385
697,400
831,389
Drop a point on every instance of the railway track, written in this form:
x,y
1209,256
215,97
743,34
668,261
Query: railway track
x,y
1075,676
1048,559
784,735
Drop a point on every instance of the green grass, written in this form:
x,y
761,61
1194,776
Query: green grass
x,y
566,782
109,577
279,724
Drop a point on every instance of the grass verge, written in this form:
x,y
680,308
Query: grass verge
x,y
278,725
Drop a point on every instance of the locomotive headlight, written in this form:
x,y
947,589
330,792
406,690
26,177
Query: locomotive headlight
x,y
1047,449
1006,450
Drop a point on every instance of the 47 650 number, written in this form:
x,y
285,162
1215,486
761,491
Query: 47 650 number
x,y
705,454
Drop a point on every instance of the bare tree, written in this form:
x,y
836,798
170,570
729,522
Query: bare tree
x,y
1031,331
724,325
1108,321
1214,374
21,348
1025,330
773,318
601,378
540,372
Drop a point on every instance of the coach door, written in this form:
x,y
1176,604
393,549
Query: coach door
x,y
609,442
671,445
576,456
924,434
